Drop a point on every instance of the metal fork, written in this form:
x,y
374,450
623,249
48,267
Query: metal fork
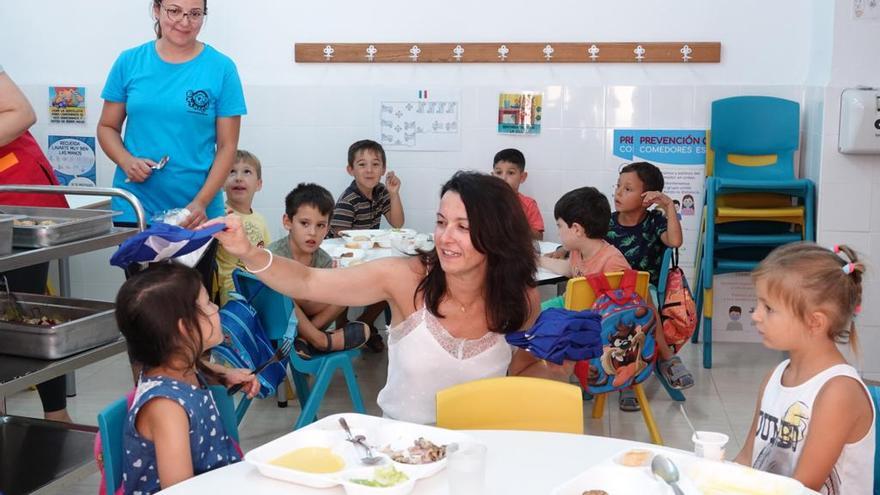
x,y
280,354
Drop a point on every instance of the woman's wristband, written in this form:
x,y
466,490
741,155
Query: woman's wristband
x,y
265,267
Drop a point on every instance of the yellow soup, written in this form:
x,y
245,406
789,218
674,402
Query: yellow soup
x,y
311,460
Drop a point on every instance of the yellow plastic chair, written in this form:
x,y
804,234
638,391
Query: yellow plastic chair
x,y
512,403
580,296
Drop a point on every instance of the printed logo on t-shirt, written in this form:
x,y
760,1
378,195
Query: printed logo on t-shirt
x,y
198,100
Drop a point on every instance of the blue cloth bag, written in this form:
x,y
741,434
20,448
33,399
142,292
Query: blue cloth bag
x,y
562,335
161,242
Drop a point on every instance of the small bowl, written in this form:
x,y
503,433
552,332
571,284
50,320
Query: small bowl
x,y
402,488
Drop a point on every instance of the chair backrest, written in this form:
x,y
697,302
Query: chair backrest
x,y
875,397
512,403
273,308
111,426
763,128
580,296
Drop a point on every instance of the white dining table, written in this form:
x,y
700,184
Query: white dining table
x,y
517,462
543,276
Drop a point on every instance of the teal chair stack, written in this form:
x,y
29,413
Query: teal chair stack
x,y
275,312
753,201
111,425
875,398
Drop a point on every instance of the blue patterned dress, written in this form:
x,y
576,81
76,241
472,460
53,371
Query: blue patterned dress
x,y
211,447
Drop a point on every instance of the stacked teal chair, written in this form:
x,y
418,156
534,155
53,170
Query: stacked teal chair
x,y
875,398
753,201
275,312
111,425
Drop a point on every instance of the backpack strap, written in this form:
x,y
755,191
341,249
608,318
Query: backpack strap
x,y
675,258
628,282
599,283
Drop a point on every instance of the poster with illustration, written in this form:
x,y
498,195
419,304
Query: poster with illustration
x,y
733,303
681,156
519,113
419,120
67,105
73,158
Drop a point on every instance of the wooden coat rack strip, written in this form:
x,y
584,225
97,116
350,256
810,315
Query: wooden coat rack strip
x,y
589,52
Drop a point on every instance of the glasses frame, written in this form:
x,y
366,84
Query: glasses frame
x,y
195,16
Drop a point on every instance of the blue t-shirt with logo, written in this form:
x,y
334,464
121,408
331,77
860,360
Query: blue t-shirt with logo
x,y
172,110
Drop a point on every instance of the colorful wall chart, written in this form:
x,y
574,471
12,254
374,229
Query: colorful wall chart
x,y
67,105
519,113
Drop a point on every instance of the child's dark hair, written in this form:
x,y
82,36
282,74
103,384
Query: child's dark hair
x,y
808,277
587,207
648,173
308,193
735,308
363,145
149,306
511,155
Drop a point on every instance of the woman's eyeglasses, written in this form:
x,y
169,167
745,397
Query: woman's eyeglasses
x,y
176,14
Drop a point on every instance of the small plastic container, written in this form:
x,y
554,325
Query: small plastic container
x,y
710,445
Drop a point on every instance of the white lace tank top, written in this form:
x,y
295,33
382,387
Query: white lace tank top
x,y
784,424
423,358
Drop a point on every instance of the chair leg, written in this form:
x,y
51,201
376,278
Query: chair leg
x,y
310,410
674,394
354,390
707,342
241,409
599,406
648,415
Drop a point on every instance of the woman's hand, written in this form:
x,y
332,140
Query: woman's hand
x,y
234,376
197,215
138,169
233,238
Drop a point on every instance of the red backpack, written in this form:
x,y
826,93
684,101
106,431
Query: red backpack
x,y
678,313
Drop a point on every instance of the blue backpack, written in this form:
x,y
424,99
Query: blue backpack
x,y
628,348
245,344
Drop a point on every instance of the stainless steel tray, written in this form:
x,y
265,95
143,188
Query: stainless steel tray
x,y
67,225
86,324
6,233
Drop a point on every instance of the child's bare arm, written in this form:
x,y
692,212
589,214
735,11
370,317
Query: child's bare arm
x,y
165,423
560,267
395,215
673,236
841,414
745,455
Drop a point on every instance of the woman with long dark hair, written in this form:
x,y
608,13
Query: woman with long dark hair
x,y
450,306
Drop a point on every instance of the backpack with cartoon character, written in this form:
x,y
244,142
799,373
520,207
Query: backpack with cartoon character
x,y
678,313
628,348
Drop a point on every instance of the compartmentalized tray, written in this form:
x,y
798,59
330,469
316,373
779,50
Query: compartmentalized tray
x,y
84,324
60,225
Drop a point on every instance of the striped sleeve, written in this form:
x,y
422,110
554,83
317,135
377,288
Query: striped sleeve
x,y
343,217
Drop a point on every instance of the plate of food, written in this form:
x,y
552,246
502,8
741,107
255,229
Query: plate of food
x,y
412,244
345,256
367,238
421,448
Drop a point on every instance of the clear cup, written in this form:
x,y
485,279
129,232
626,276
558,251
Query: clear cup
x,y
466,468
710,445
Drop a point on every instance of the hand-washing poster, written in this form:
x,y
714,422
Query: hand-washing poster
x,y
519,113
73,158
681,156
419,120
733,303
67,105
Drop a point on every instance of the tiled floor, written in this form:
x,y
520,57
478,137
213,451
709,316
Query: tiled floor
x,y
723,399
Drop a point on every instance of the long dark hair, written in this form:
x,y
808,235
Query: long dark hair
x,y
149,306
157,5
499,230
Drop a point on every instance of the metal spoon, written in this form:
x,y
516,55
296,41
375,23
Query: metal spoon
x,y
14,309
369,459
665,469
158,166
686,418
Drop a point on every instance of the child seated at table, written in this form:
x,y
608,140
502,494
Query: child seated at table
x,y
814,420
307,220
582,217
509,165
173,430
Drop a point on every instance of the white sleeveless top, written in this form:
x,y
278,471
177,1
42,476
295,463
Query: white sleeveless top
x,y
783,426
423,358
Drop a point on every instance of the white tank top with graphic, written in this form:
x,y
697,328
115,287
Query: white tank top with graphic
x,y
783,426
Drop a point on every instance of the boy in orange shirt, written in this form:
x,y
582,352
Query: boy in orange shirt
x,y
509,165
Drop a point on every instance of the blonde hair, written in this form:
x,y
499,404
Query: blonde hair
x,y
807,276
251,159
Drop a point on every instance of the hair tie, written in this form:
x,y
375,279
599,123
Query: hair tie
x,y
848,268
836,248
857,310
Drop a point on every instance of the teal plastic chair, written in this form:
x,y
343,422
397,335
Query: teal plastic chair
x,y
875,396
111,424
750,126
275,312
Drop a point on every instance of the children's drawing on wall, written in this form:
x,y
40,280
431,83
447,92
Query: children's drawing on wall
x,y
67,105
681,156
73,158
519,113
419,120
733,296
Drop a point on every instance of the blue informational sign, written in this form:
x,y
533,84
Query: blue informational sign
x,y
73,158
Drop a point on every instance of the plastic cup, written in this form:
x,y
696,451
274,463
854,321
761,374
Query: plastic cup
x,y
466,469
710,445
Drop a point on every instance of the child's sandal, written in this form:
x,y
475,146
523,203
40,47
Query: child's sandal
x,y
676,373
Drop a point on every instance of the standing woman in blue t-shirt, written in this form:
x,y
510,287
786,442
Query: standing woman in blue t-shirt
x,y
179,98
